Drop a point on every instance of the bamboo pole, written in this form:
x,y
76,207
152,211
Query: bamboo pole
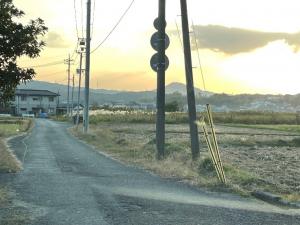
x,y
215,142
206,136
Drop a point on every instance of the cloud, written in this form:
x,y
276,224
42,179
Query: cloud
x,y
235,40
55,40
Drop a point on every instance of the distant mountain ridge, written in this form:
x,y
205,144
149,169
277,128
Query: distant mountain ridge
x,y
110,95
101,96
177,92
181,88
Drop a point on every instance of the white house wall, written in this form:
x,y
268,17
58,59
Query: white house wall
x,y
29,104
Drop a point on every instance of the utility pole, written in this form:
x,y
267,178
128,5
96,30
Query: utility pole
x,y
189,80
79,86
68,61
73,84
87,67
160,98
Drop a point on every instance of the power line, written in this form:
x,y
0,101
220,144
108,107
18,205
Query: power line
x,y
93,20
82,32
114,27
75,59
178,34
75,50
198,56
40,57
76,24
46,65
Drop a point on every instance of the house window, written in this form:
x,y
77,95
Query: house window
x,y
51,99
23,97
23,109
35,99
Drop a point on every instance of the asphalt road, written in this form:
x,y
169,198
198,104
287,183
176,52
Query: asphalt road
x,y
66,182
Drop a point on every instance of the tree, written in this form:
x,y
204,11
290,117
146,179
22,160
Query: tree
x,y
16,40
172,106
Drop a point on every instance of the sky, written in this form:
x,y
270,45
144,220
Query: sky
x,y
244,46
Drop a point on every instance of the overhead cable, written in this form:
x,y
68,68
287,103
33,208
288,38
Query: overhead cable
x,y
114,27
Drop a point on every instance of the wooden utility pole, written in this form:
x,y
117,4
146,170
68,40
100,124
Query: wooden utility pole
x,y
189,80
79,87
160,98
87,68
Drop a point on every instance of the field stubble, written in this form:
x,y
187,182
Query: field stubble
x,y
256,159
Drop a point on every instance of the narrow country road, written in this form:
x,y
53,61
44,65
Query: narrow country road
x,y
65,182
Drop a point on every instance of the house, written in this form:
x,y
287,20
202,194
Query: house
x,y
27,101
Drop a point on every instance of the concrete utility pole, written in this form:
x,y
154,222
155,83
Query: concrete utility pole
x,y
189,80
87,68
68,62
79,86
73,84
160,98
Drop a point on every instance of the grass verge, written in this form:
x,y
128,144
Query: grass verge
x,y
11,215
8,162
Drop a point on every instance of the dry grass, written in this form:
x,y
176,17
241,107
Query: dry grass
x,y
8,128
134,144
8,162
244,117
252,162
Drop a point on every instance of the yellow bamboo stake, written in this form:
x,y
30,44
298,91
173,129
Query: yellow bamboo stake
x,y
206,136
215,143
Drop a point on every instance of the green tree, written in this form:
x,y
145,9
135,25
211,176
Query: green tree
x,y
172,106
16,40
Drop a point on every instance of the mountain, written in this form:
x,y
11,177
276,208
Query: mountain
x,y
177,92
54,87
97,96
101,96
181,88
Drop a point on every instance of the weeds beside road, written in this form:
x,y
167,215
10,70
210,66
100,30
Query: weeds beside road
x,y
9,164
9,128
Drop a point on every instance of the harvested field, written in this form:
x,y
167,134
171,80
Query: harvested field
x,y
255,159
